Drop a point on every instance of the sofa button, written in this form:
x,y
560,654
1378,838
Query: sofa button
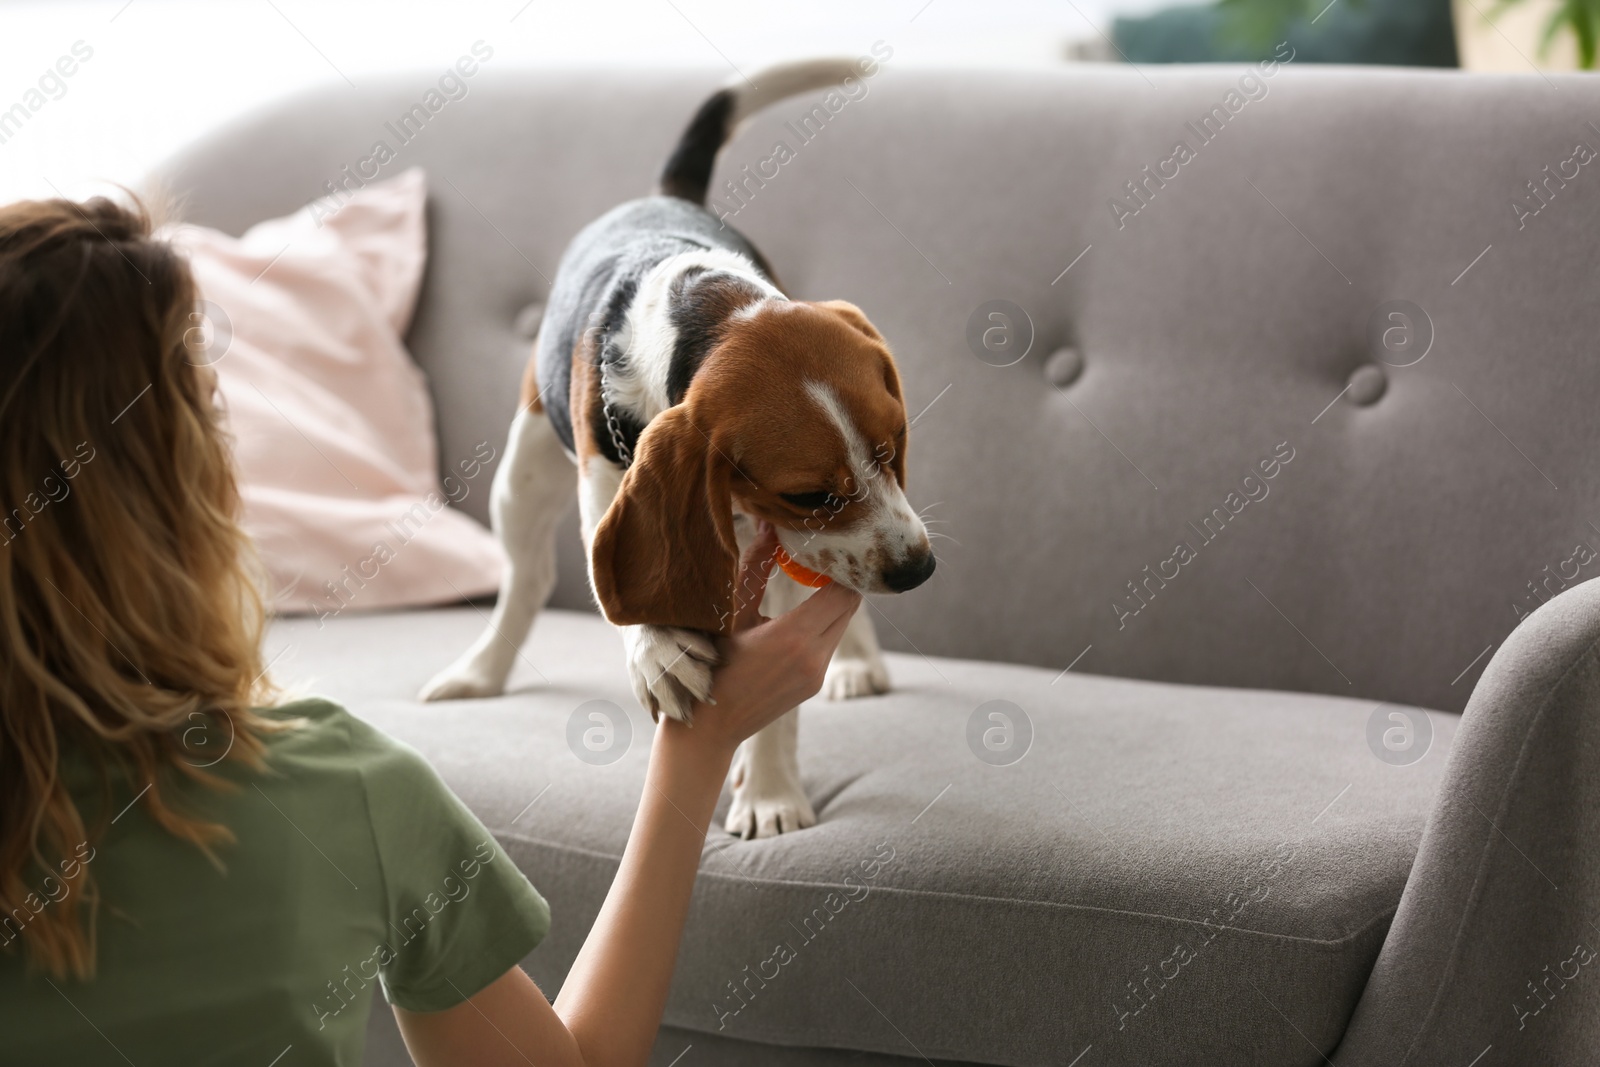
x,y
1063,367
528,320
1367,384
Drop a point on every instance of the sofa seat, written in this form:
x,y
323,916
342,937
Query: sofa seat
x,y
1171,874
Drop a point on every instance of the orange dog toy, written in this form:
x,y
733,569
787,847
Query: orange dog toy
x,y
801,574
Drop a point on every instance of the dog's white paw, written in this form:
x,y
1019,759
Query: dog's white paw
x,y
462,680
849,676
768,810
670,668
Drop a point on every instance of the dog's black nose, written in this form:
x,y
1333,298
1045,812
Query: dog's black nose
x,y
910,574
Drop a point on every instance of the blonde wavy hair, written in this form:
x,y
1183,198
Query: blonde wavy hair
x,y
130,618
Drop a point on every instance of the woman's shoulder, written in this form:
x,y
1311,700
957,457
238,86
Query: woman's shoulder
x,y
323,735
331,759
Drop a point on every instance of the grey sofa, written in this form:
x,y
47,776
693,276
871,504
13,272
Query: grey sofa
x,y
1214,824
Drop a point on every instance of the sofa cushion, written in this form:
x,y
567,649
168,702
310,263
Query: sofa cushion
x,y
331,420
1169,873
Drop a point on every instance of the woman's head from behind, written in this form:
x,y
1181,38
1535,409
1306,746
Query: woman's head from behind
x,y
129,623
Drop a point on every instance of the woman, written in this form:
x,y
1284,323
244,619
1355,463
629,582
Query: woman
x,y
191,873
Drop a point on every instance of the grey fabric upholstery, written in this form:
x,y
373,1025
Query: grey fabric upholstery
x,y
1425,508
1147,822
1497,932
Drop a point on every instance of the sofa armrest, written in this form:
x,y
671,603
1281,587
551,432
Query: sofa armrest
x,y
1494,942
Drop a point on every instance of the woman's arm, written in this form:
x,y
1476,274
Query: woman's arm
x,y
611,1003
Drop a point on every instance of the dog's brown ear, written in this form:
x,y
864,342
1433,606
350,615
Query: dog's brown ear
x,y
891,377
665,552
891,381
854,316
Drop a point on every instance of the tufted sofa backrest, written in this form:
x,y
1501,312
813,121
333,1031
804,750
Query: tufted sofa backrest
x,y
1263,377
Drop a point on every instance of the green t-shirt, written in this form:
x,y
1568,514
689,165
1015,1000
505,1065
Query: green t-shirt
x,y
354,866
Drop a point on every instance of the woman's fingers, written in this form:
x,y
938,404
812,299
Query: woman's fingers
x,y
754,570
835,631
829,606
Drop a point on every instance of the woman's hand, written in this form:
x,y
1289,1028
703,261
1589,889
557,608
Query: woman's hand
x,y
769,665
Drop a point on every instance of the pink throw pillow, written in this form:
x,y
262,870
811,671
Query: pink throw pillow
x,y
332,420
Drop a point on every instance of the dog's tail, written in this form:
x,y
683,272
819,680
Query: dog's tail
x,y
688,170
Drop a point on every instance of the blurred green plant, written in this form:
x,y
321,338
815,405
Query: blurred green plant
x,y
1256,24
1582,17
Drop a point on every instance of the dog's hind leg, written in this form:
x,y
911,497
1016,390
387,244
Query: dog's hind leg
x,y
533,489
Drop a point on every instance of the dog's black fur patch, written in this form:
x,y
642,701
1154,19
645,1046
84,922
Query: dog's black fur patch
x,y
700,302
687,174
596,283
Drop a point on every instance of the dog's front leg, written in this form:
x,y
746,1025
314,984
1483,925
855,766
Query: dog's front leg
x,y
857,668
669,667
768,798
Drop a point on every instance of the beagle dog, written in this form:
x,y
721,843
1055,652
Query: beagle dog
x,y
696,398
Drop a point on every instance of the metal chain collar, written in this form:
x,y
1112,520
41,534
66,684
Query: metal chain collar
x,y
624,453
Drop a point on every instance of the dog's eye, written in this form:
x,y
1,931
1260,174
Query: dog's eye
x,y
811,501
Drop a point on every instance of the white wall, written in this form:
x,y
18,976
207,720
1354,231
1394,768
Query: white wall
x,y
162,71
